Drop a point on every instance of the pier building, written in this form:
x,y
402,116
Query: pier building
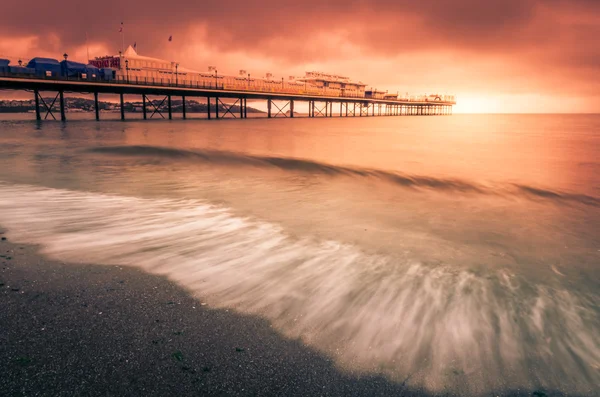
x,y
129,73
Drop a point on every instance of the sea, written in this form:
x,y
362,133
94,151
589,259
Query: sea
x,y
454,254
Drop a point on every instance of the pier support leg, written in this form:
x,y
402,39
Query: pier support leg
x,y
122,107
291,108
63,117
269,108
330,109
241,108
144,106
340,109
169,106
38,116
326,108
373,110
96,106
217,108
208,107
183,107
245,108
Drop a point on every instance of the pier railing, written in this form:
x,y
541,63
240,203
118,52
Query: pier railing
x,y
250,86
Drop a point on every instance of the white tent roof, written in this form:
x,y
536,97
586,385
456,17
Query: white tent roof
x,y
130,53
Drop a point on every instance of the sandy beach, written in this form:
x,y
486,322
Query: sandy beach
x,y
78,329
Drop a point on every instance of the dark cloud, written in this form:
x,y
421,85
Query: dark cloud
x,y
249,23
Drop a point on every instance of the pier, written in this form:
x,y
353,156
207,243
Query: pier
x,y
224,99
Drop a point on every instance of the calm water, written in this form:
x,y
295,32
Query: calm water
x,y
457,253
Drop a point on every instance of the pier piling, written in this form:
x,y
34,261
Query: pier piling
x,y
122,106
38,117
169,107
63,117
96,107
144,106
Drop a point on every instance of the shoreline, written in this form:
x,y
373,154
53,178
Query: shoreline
x,y
80,329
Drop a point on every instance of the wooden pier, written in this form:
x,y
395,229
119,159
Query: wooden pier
x,y
318,105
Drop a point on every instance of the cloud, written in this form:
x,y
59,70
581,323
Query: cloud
x,y
513,47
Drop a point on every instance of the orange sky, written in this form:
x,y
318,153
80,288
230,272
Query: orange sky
x,y
495,55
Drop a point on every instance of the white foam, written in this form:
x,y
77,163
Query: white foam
x,y
445,328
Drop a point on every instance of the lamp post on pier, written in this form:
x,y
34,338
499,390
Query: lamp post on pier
x,y
127,68
176,74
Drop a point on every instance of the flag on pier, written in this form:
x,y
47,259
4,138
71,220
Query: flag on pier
x,y
171,38
135,45
121,28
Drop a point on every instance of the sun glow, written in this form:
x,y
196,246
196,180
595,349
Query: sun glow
x,y
477,104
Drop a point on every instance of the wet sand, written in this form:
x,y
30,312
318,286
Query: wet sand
x,y
76,329
80,329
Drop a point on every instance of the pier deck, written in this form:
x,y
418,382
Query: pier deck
x,y
318,105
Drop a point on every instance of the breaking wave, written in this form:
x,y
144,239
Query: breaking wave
x,y
437,326
309,166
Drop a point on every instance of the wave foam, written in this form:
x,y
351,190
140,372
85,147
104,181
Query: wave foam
x,y
440,327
